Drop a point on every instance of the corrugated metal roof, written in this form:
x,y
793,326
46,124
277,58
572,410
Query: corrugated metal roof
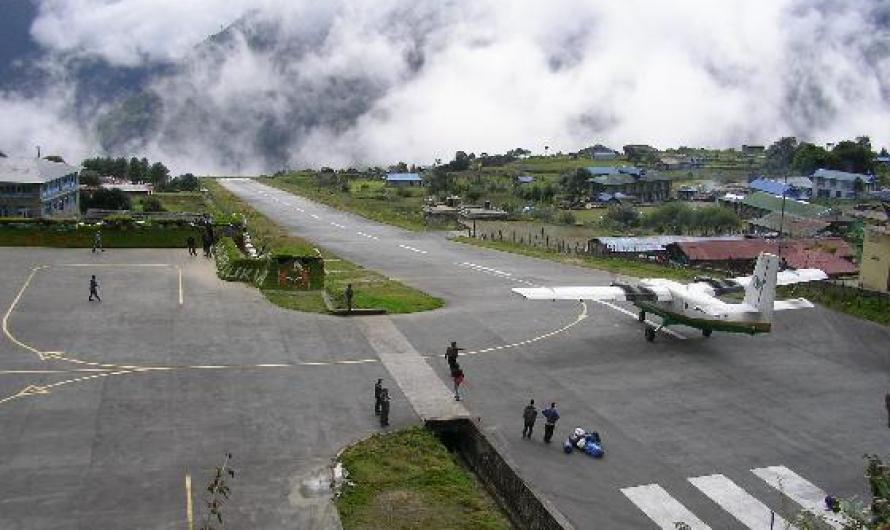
x,y
771,203
614,170
791,225
842,175
748,249
653,243
831,264
33,170
403,177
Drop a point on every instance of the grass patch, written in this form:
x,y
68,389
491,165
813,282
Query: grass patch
x,y
372,290
365,197
846,301
408,479
617,265
184,201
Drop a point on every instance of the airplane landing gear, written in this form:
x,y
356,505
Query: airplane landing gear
x,y
650,333
706,332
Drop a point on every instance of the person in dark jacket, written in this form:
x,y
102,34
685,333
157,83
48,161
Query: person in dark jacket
x,y
529,415
457,376
552,415
190,241
451,354
94,288
384,407
378,394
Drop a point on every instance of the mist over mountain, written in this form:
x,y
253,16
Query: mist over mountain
x,y
237,86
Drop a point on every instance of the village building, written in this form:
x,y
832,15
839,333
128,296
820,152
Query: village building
x,y
647,246
831,184
34,187
629,181
403,179
833,255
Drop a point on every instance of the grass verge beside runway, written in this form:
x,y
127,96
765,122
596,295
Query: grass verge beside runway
x,y
386,207
69,234
408,479
372,290
617,265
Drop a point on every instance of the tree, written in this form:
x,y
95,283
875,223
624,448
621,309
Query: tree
x,y
158,174
136,171
575,184
106,199
439,180
858,186
461,162
808,158
89,177
855,157
780,155
188,182
622,215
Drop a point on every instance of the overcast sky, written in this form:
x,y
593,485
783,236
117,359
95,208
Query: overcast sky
x,y
341,82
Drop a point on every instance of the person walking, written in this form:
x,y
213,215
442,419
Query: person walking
x,y
384,407
552,415
451,354
529,415
97,242
94,288
348,295
191,245
457,375
378,394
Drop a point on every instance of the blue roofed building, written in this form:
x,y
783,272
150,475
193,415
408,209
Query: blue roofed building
x,y
829,183
798,188
34,187
404,179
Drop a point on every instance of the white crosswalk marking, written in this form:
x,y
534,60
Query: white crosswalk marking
x,y
729,496
800,490
663,509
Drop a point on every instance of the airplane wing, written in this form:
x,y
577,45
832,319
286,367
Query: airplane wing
x,y
788,277
602,293
721,309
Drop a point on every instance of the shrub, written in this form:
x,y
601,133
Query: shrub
x,y
152,204
566,217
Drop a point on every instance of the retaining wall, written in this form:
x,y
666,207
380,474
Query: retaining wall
x,y
526,508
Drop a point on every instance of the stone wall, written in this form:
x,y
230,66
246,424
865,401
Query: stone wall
x,y
526,508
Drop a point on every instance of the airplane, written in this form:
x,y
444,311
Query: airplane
x,y
696,304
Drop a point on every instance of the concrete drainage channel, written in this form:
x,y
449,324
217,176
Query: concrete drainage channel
x,y
525,507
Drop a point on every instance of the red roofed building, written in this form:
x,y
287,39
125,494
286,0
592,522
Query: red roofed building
x,y
833,253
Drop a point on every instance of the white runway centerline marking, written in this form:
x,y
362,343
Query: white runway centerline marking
x,y
663,509
739,503
412,249
800,490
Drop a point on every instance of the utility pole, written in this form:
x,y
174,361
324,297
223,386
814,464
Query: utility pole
x,y
38,151
782,216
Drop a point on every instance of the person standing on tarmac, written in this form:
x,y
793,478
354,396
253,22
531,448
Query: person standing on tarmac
x,y
529,415
94,288
378,394
191,245
552,415
97,242
384,408
348,295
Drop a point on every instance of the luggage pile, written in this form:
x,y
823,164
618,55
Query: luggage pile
x,y
588,442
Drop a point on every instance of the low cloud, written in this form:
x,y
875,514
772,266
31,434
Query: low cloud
x,y
348,83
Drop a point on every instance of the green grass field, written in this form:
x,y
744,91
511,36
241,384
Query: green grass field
x,y
372,290
408,480
186,201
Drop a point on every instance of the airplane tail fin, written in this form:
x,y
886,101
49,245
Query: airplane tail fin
x,y
760,292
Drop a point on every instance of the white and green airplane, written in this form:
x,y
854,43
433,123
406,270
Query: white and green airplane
x,y
697,304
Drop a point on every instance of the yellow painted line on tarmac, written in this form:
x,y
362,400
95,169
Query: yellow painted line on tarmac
x,y
9,311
